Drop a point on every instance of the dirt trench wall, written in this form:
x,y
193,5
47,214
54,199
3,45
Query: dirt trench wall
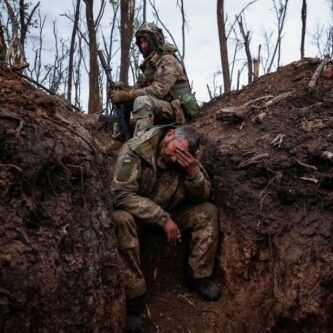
x,y
59,267
276,211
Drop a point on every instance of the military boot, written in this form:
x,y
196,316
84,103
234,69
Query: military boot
x,y
178,111
113,147
134,311
204,287
143,124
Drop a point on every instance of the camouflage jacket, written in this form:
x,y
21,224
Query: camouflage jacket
x,y
162,74
148,192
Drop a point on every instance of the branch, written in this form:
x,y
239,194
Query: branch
x,y
100,14
26,25
78,29
209,92
281,15
239,113
316,74
181,7
165,28
240,13
246,38
46,89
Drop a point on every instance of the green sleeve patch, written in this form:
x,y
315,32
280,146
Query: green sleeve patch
x,y
126,168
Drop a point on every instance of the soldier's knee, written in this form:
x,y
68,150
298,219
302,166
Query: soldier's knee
x,y
209,213
142,106
126,229
210,210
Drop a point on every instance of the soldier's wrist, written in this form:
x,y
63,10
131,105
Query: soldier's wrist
x,y
196,173
163,220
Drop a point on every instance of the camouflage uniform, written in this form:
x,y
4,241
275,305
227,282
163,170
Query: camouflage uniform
x,y
149,194
163,80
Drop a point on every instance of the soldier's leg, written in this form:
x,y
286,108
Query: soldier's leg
x,y
202,219
148,110
128,246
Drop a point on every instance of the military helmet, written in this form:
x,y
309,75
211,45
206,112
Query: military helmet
x,y
151,29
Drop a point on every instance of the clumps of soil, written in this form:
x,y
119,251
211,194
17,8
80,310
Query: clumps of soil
x,y
59,267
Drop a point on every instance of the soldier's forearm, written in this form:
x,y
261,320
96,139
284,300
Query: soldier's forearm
x,y
141,208
198,187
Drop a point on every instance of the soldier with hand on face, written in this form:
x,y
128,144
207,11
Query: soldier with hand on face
x,y
162,93
159,180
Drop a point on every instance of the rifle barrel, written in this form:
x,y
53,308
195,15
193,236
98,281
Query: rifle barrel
x,y
106,68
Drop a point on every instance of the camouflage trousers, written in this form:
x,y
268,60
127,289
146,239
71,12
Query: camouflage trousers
x,y
148,111
201,219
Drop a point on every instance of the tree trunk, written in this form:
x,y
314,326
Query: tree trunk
x,y
94,105
25,21
223,46
246,37
182,11
304,12
71,51
22,23
127,8
3,46
281,15
15,54
144,11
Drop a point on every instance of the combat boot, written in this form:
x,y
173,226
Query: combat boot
x,y
113,147
204,287
134,311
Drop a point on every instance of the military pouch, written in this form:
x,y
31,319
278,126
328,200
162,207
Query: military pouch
x,y
178,111
189,104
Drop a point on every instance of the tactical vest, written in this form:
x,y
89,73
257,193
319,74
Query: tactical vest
x,y
180,91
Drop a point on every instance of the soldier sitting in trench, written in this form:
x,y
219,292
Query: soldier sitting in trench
x,y
162,94
158,180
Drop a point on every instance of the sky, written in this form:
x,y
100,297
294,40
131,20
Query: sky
x,y
202,56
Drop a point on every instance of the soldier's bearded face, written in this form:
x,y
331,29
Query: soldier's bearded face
x,y
143,46
168,147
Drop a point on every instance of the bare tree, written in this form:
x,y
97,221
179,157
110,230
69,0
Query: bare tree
x,y
256,64
180,4
223,46
155,13
304,13
322,37
3,46
134,52
239,75
94,105
127,9
58,70
15,52
329,33
25,20
71,50
144,11
209,91
281,11
246,37
77,74
36,68
237,47
267,49
109,43
240,14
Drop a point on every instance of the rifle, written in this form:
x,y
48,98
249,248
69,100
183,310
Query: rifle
x,y
118,113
